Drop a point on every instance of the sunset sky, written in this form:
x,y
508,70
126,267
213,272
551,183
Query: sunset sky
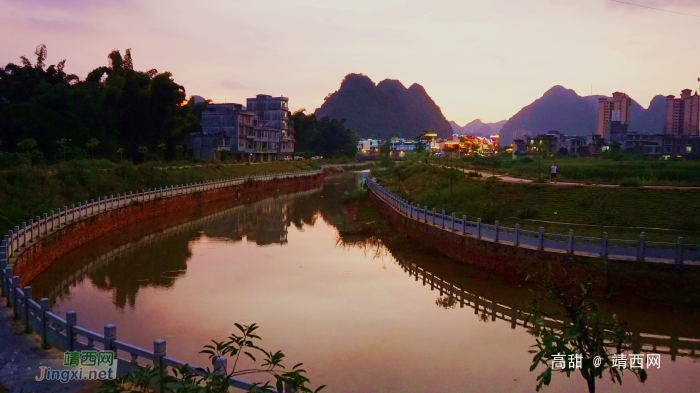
x,y
477,59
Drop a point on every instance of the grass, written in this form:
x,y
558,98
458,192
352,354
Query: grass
x,y
622,212
628,169
29,192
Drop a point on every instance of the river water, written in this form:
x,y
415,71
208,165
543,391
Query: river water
x,y
349,310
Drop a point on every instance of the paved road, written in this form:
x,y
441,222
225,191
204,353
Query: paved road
x,y
20,358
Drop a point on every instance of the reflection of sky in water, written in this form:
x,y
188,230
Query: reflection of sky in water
x,y
354,317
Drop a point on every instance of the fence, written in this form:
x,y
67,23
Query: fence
x,y
65,334
652,343
633,250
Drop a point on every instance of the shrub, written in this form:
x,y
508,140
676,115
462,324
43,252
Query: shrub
x,y
630,183
527,213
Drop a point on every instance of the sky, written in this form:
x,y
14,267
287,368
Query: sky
x,y
475,58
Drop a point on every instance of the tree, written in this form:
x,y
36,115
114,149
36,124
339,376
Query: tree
x,y
120,151
542,149
586,335
178,151
244,342
451,175
63,144
27,144
143,149
323,136
119,106
161,149
92,144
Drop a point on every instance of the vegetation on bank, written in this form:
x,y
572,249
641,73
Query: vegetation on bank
x,y
29,192
620,211
627,170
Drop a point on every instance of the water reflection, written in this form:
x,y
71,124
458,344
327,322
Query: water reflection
x,y
357,310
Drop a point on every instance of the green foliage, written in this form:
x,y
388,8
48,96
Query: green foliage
x,y
27,144
115,104
183,380
587,333
323,136
617,209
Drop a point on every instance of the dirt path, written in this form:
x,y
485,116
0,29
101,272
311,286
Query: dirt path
x,y
512,179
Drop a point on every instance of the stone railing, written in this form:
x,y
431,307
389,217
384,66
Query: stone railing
x,y
633,250
653,343
65,333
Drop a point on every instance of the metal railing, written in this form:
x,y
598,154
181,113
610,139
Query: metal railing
x,y
632,250
65,334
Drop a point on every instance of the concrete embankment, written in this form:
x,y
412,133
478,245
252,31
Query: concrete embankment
x,y
629,280
39,255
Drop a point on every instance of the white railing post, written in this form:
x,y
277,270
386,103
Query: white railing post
x,y
540,239
453,221
110,333
434,214
15,296
159,348
71,320
495,232
44,303
478,228
641,245
27,296
679,251
464,225
443,219
570,242
220,364
516,242
7,283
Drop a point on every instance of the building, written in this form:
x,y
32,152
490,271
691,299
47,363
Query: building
x,y
272,114
239,133
614,117
682,114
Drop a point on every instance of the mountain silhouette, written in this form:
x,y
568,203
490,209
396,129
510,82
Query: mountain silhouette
x,y
563,110
478,128
384,110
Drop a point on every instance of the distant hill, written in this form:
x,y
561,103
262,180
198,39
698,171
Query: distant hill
x,y
563,110
384,110
478,128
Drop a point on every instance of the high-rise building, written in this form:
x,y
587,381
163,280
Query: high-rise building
x,y
682,114
272,114
614,117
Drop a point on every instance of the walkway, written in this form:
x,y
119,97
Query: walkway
x,y
512,179
20,358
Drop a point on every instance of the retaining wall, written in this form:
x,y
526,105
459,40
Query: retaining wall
x,y
629,280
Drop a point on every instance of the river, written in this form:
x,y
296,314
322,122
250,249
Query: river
x,y
352,312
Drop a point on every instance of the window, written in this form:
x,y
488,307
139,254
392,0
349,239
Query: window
x,y
689,149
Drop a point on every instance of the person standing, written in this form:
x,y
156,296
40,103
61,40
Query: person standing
x,y
553,176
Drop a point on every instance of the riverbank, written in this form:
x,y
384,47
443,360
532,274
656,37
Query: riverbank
x,y
28,192
626,170
663,215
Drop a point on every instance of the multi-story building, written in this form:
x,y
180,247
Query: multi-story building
x,y
272,114
239,132
614,117
682,114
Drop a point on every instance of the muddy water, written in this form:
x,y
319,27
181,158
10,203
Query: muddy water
x,y
353,312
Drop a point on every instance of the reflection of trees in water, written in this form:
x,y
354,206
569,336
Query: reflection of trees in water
x,y
157,265
446,302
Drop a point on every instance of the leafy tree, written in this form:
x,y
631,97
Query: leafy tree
x,y
589,334
451,175
178,151
92,144
323,136
63,143
116,104
143,150
120,151
184,380
27,144
161,149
